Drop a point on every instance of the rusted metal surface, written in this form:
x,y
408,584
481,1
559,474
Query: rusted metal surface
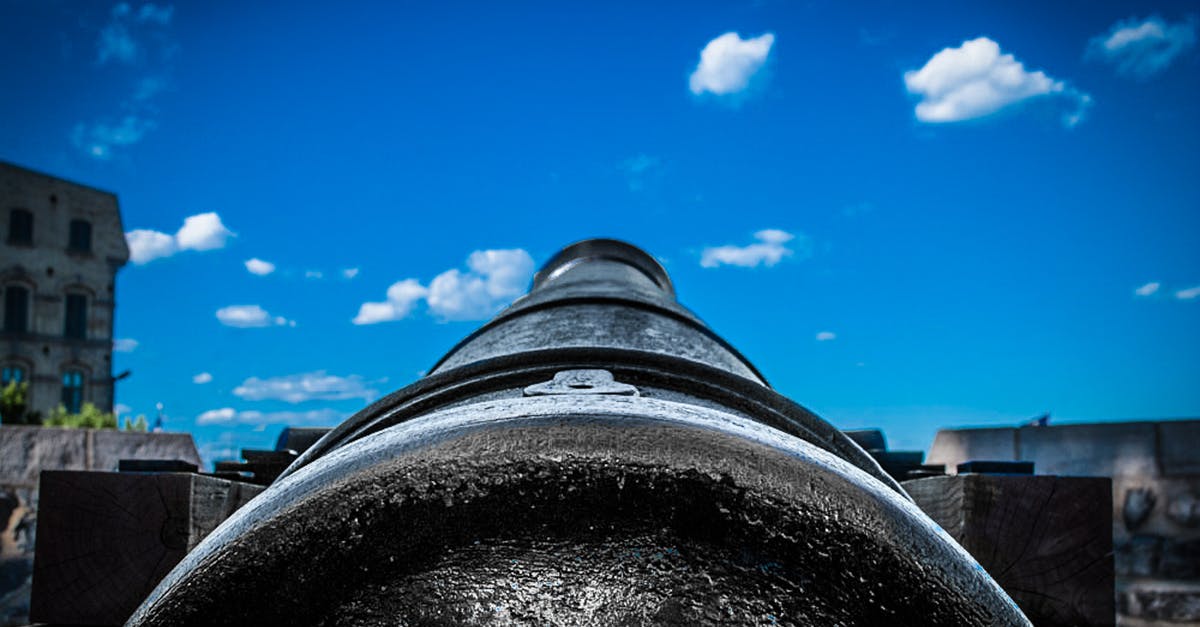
x,y
594,455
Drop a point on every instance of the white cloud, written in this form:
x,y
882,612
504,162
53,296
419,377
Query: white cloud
x,y
203,231
216,416
975,80
825,336
496,277
769,250
228,415
121,409
146,245
1148,288
259,267
98,140
728,63
350,273
1188,294
402,296
308,386
249,316
1143,48
313,274
202,378
493,279
124,345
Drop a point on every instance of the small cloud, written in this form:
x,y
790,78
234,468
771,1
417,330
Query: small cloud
x,y
1147,289
494,278
638,168
156,14
402,296
203,231
202,378
200,232
121,409
116,43
309,386
976,79
314,274
98,140
250,316
640,164
124,345
350,273
228,415
259,267
728,63
826,336
1143,48
1188,294
769,250
146,245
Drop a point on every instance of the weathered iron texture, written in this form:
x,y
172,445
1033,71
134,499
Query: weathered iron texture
x,y
593,455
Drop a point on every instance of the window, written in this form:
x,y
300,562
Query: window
x,y
12,373
80,239
76,318
16,309
20,227
72,390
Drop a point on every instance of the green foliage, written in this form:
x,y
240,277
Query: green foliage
x,y
13,407
140,425
89,417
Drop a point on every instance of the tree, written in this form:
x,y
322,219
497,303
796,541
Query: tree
x,y
89,417
13,405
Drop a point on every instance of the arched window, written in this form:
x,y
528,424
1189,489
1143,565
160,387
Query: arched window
x,y
75,320
20,227
80,239
16,309
72,390
12,372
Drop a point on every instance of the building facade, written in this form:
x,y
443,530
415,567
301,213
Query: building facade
x,y
62,246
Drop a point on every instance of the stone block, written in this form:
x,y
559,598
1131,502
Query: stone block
x,y
106,539
1046,540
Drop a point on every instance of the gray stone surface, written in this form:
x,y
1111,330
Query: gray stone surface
x,y
1155,471
24,453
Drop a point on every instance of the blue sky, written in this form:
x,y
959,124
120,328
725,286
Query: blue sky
x,y
907,217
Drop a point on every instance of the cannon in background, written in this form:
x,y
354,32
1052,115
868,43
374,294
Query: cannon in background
x,y
595,454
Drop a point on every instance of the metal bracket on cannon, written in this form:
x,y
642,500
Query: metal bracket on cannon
x,y
581,382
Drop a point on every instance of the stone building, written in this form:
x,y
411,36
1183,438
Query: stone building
x,y
62,246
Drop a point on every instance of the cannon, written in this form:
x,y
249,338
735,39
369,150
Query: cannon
x,y
594,454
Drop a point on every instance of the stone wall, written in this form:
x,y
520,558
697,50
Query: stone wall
x,y
24,453
1155,468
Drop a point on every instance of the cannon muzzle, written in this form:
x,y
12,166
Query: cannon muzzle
x,y
595,454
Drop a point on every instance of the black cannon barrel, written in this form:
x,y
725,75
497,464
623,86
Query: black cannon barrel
x,y
595,454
